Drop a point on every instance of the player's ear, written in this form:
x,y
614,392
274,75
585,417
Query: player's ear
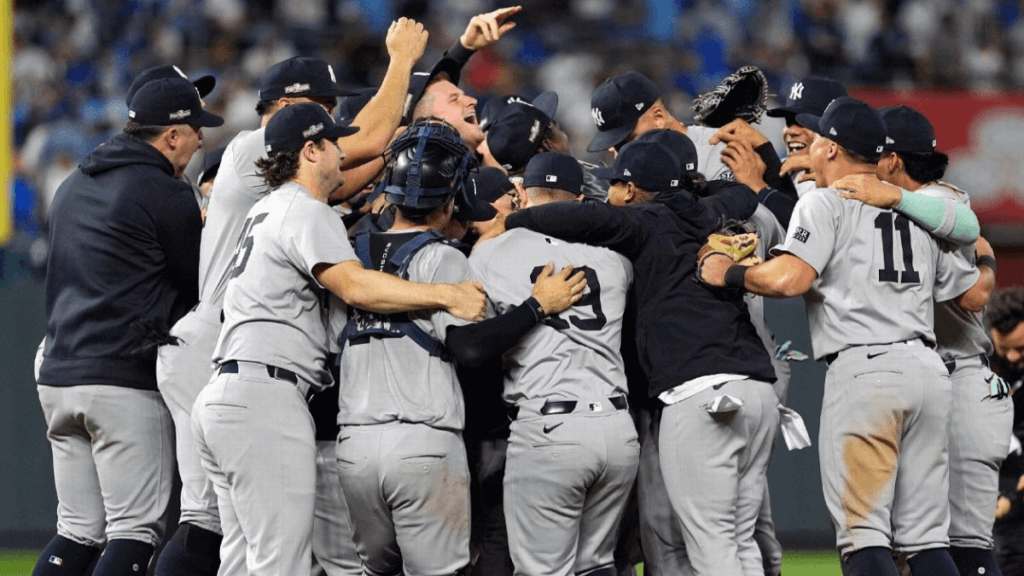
x,y
630,193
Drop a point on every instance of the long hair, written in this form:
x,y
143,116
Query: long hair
x,y
279,167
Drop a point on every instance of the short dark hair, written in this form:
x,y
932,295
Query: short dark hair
x,y
1006,309
924,167
263,107
143,132
554,193
857,157
281,167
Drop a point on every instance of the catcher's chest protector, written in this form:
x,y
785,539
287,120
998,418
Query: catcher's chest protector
x,y
391,253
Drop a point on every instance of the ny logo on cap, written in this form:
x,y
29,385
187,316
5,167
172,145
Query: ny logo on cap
x,y
797,91
598,118
889,140
550,178
832,131
180,114
313,130
297,87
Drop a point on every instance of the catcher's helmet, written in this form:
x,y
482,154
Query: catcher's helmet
x,y
427,165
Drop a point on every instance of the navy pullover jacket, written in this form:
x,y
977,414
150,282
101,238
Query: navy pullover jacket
x,y
684,329
123,266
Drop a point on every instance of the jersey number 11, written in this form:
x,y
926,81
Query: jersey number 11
x,y
888,224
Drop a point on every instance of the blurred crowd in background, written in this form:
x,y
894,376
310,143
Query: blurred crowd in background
x,y
74,59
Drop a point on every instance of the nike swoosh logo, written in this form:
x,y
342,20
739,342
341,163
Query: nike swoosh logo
x,y
548,429
876,355
989,379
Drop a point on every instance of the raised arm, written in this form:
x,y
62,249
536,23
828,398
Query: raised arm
x,y
379,119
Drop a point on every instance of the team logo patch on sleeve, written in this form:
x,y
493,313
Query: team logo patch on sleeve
x,y
801,234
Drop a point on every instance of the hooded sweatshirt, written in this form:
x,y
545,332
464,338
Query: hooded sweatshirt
x,y
122,267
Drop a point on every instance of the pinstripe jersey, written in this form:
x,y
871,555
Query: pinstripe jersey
x,y
574,354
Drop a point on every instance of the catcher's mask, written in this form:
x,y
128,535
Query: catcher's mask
x,y
427,165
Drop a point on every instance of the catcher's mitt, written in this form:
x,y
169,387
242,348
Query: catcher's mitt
x,y
742,94
736,240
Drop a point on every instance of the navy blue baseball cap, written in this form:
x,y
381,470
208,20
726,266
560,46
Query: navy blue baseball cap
x,y
486,186
491,109
852,124
419,80
907,130
350,106
810,95
519,129
204,84
211,164
170,101
299,76
649,165
677,143
616,106
554,170
292,126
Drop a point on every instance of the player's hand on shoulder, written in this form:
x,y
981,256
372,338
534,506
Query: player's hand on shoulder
x,y
797,163
1002,506
747,166
406,38
558,291
468,301
738,130
868,189
486,29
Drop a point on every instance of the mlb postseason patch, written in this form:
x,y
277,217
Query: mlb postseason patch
x,y
801,234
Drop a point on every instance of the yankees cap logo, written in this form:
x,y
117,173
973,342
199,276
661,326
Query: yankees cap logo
x,y
313,130
598,117
297,87
179,115
797,91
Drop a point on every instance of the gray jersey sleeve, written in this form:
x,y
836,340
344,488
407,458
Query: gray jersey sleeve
x,y
812,228
439,264
709,156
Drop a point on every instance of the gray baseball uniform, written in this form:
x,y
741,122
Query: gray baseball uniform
x,y
401,459
887,395
183,370
981,422
254,432
573,450
709,157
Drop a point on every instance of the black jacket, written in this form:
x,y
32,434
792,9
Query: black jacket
x,y
684,329
123,266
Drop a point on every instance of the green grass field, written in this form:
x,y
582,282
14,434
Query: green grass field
x,y
795,563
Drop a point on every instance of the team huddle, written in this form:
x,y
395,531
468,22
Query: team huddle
x,y
424,339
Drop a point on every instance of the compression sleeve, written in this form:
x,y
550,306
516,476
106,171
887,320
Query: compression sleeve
x,y
472,344
943,218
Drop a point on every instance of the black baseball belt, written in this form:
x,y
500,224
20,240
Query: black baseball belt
x,y
231,367
567,406
951,364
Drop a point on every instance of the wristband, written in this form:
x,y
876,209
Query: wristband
x,y
735,276
986,261
535,306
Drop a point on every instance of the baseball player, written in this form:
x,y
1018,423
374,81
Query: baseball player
x,y
185,369
982,414
887,393
251,425
697,349
663,532
124,242
810,95
523,129
573,449
401,460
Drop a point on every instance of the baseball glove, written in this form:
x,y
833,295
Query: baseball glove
x,y
742,94
736,240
